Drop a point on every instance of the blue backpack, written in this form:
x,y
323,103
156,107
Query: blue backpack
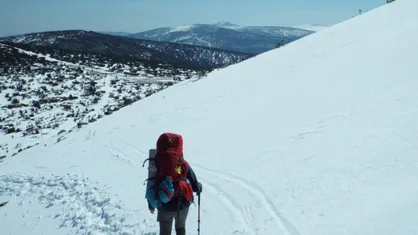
x,y
161,194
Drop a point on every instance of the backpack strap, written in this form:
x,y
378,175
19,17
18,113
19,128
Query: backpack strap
x,y
143,165
152,178
148,159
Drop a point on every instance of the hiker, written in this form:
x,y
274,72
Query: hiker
x,y
175,182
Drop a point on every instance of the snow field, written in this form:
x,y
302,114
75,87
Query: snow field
x,y
79,205
317,137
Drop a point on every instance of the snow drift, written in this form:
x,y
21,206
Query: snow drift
x,y
317,137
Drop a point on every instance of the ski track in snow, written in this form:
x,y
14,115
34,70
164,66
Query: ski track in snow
x,y
118,154
83,206
244,214
126,144
286,227
233,207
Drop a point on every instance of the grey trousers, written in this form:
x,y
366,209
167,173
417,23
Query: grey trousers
x,y
165,218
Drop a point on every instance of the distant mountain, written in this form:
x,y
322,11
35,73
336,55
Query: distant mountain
x,y
47,92
188,56
227,36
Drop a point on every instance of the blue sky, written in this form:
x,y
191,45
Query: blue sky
x,y
24,16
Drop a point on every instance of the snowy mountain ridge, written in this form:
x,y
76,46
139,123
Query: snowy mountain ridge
x,y
187,56
318,137
225,35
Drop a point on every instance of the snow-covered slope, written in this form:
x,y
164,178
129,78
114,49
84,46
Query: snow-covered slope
x,y
319,137
224,35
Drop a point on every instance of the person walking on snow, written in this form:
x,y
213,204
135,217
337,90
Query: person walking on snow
x,y
175,182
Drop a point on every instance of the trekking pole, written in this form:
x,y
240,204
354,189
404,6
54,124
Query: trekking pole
x,y
198,214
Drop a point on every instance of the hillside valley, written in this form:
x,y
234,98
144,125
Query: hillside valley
x,y
48,92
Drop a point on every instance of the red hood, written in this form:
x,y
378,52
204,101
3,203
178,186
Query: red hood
x,y
170,141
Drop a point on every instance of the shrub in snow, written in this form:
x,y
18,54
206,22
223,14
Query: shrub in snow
x,y
127,101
